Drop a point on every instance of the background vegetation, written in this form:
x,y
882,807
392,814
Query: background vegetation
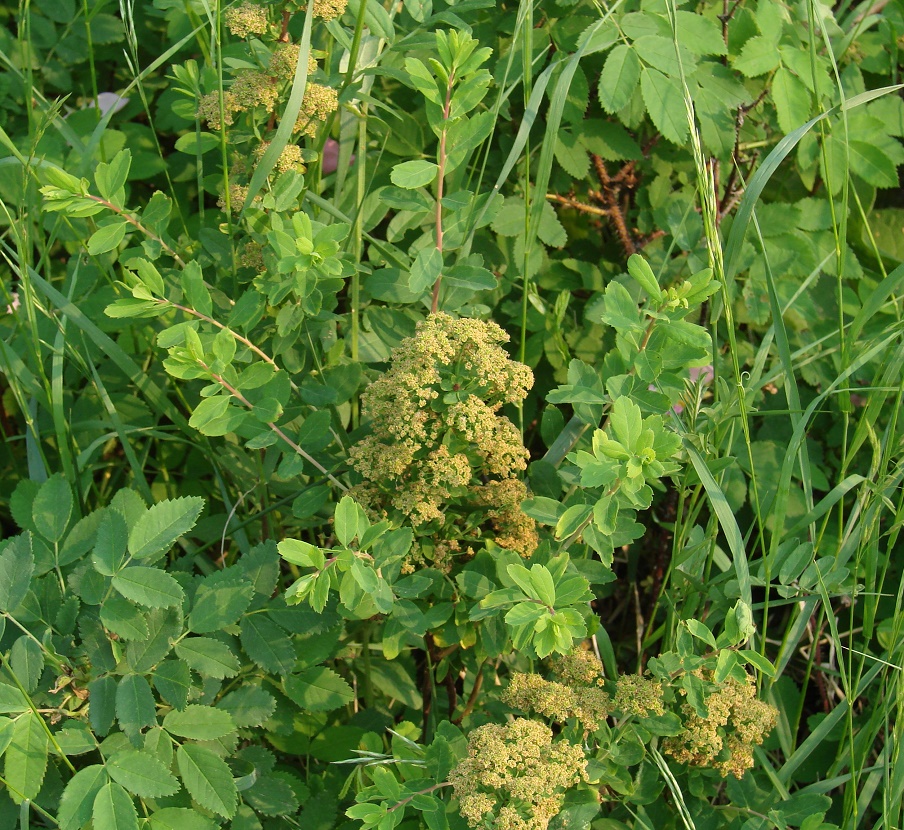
x,y
451,414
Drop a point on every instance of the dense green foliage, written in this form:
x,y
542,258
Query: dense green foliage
x,y
451,415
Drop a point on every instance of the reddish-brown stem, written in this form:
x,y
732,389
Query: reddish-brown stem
x,y
237,336
305,455
441,172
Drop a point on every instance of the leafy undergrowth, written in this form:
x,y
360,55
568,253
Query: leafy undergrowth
x,y
451,415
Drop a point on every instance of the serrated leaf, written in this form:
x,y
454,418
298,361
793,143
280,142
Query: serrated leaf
x,y
111,544
164,626
200,723
27,661
207,779
17,564
102,711
318,689
248,706
77,802
141,774
161,526
52,508
791,99
208,657
114,809
26,758
135,709
148,586
267,644
220,604
124,619
665,104
619,78
172,679
758,56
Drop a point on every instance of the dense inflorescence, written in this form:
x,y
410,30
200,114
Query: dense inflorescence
x,y
638,695
440,452
515,776
735,723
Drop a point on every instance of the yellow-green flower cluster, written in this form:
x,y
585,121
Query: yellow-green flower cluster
x,y
289,159
284,60
736,722
438,439
515,776
319,101
324,9
250,89
638,695
589,705
579,668
247,19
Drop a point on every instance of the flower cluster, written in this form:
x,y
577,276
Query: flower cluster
x,y
319,101
440,453
247,19
589,705
324,9
515,776
638,695
735,723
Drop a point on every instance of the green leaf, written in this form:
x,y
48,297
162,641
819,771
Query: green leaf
x,y
17,565
318,690
111,544
27,662
123,618
102,711
412,174
148,586
164,625
701,632
161,526
110,178
643,275
197,143
267,644
791,99
207,779
701,35
105,239
200,723
208,415
172,679
665,104
135,709
179,818
77,802
758,56
52,508
26,758
573,519
626,422
425,270
141,774
757,661
248,706
619,78
659,52
220,603
12,700
208,657
114,809
346,520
